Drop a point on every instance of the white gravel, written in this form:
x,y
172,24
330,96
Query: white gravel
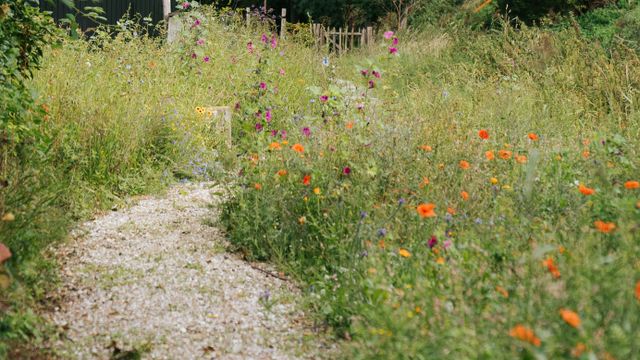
x,y
154,279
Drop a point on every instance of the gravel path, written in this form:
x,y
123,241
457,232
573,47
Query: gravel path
x,y
154,280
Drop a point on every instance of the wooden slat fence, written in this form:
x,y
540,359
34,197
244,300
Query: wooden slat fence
x,y
342,40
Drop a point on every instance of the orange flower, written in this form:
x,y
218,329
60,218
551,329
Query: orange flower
x,y
525,334
426,210
404,253
349,125
484,134
440,260
502,291
632,185
275,146
585,190
282,172
306,180
521,159
489,155
464,165
551,266
425,182
451,210
426,148
316,191
578,350
257,186
638,290
465,195
604,227
533,137
504,154
298,148
570,317
302,220
585,154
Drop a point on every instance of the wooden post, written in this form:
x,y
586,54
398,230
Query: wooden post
x,y
340,42
362,40
353,35
283,23
248,15
166,9
369,36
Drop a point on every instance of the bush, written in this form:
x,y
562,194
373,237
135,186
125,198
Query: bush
x,y
533,10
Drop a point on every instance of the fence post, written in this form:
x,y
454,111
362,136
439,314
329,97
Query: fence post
x,y
283,23
369,35
248,15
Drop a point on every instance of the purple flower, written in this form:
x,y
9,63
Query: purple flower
x,y
206,59
401,201
377,74
265,295
200,42
364,72
382,232
363,214
259,127
432,242
193,56
395,41
258,114
267,115
263,86
274,132
306,131
197,23
372,84
274,42
388,34
264,38
393,50
283,134
324,98
346,170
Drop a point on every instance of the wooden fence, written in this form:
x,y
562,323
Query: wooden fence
x,y
342,40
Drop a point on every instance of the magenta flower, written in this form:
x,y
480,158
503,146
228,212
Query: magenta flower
x,y
372,84
283,134
267,116
395,41
193,56
306,131
324,98
274,42
200,42
259,127
263,86
364,72
206,59
346,170
185,5
264,39
196,23
360,106
377,74
274,132
432,242
388,34
393,50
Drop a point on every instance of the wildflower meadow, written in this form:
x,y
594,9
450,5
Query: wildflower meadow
x,y
445,193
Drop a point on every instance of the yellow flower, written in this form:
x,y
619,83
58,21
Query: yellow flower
x,y
316,191
8,217
404,253
494,180
440,260
302,220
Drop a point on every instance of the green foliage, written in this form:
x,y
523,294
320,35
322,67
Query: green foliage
x,y
533,10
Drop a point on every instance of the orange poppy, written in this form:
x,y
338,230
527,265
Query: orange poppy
x,y
465,195
521,159
578,350
451,211
426,210
570,317
464,165
306,180
275,146
257,186
525,334
484,134
282,172
585,154
632,185
585,190
604,227
502,291
638,290
425,182
440,260
489,155
426,148
533,137
298,148
404,253
349,125
504,154
551,266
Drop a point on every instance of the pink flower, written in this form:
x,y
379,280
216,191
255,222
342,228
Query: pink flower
x,y
283,134
185,5
324,98
346,170
360,106
306,131
263,86
206,59
193,56
259,127
274,42
200,42
377,74
282,72
393,50
395,41
250,47
196,23
264,39
267,116
364,72
372,84
388,35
